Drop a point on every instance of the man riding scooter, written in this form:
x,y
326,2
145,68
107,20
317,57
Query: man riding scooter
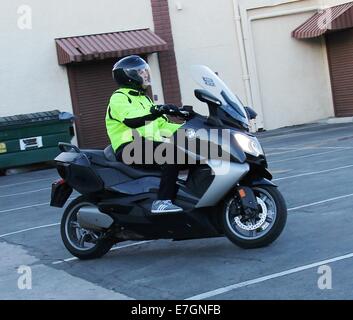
x,y
232,196
130,110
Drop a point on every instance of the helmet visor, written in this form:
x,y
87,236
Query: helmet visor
x,y
141,74
145,74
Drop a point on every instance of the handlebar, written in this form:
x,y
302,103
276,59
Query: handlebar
x,y
180,113
184,112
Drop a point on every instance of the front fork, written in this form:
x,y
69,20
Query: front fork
x,y
247,200
257,176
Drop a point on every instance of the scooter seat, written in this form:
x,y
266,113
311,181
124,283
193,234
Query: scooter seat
x,y
93,152
109,154
132,172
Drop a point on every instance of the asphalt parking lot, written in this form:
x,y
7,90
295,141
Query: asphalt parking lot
x,y
313,167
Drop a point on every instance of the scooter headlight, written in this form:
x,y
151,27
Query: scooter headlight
x,y
249,144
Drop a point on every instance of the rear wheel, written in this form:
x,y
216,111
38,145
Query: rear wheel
x,y
261,229
83,244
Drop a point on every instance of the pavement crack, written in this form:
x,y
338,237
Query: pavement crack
x,y
43,258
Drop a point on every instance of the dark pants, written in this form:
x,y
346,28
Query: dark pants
x,y
170,172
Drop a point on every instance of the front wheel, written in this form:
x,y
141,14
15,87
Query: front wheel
x,y
261,229
83,244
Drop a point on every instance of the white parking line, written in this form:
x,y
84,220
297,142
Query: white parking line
x,y
313,172
284,152
282,148
277,179
113,249
26,207
299,148
22,193
32,206
299,133
25,182
321,202
219,291
301,157
144,242
289,209
29,229
306,147
337,148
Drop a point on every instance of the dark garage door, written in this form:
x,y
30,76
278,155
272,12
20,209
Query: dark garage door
x,y
91,86
340,53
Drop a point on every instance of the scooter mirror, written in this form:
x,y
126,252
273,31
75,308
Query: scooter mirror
x,y
251,113
205,96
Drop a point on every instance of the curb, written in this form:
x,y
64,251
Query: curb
x,y
337,120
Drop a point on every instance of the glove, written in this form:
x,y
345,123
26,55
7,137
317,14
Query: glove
x,y
171,109
188,111
165,109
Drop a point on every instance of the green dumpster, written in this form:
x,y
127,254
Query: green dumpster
x,y
33,138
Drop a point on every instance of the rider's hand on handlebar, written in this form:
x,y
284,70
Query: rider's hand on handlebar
x,y
169,109
187,112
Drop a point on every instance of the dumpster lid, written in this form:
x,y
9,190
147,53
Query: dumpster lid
x,y
30,118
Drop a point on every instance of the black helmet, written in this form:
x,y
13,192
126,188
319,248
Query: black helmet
x,y
132,72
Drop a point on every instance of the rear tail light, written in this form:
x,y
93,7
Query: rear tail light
x,y
60,181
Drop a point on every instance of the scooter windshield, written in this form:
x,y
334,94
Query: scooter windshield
x,y
209,81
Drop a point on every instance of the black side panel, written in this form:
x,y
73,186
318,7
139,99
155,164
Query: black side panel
x,y
83,179
256,173
76,170
138,186
111,177
133,213
199,180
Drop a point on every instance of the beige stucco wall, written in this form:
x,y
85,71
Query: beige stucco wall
x,y
331,3
293,74
31,79
290,80
204,33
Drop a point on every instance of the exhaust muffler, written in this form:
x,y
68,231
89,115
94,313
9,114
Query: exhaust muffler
x,y
92,219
